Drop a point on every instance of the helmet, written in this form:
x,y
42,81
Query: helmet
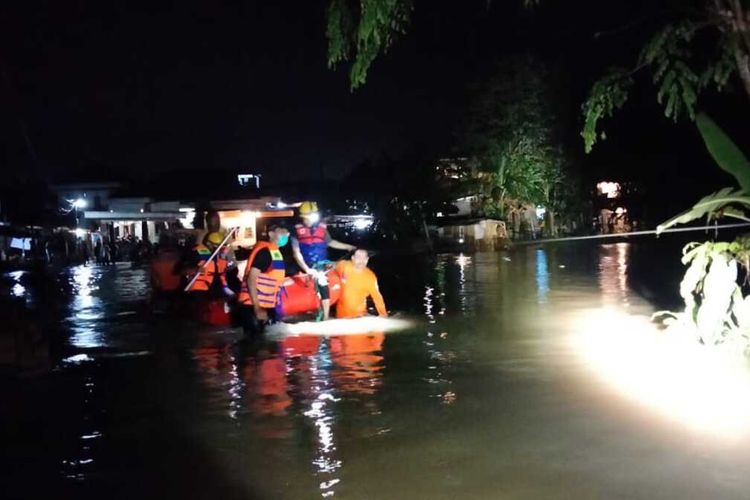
x,y
308,208
215,238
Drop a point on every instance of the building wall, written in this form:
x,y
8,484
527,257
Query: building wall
x,y
485,234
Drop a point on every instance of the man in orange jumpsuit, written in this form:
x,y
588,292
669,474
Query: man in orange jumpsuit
x,y
357,283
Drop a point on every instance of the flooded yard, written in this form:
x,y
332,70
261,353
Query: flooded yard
x,y
527,374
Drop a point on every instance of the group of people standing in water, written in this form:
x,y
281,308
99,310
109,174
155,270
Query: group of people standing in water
x,y
213,271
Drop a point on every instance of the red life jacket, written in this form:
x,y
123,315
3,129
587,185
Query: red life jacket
x,y
312,242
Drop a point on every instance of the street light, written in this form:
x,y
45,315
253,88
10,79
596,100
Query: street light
x,y
76,205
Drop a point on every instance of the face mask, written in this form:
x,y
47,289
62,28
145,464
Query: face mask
x,y
283,240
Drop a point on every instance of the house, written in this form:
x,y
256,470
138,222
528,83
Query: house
x,y
112,211
473,232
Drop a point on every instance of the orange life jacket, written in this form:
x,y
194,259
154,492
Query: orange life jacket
x,y
208,272
269,281
163,276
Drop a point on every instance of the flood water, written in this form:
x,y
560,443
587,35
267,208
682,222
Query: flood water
x,y
505,387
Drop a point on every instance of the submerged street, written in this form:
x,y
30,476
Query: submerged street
x,y
497,391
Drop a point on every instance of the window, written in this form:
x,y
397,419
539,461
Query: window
x,y
248,180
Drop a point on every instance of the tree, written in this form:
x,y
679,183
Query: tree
x,y
699,49
513,130
402,193
703,45
360,30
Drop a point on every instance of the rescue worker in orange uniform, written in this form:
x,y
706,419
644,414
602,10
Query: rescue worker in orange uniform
x,y
357,283
212,277
310,249
164,278
264,274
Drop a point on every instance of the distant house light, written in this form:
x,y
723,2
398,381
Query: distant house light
x,y
608,189
362,223
246,180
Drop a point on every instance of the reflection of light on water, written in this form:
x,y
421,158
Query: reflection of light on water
x,y
613,277
77,359
438,358
235,388
323,417
463,261
670,375
217,365
78,468
542,275
428,304
82,280
86,308
17,290
440,284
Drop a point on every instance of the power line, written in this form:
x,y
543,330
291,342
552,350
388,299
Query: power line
x,y
633,233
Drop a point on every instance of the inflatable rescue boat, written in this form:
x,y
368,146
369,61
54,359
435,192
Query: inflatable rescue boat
x,y
297,296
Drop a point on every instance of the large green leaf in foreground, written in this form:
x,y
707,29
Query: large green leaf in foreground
x,y
726,153
727,202
709,206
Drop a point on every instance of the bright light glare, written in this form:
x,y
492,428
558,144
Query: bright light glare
x,y
611,189
79,203
362,223
187,219
247,218
80,233
669,373
352,326
462,260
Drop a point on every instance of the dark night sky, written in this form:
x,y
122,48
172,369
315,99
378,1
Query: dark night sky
x,y
123,87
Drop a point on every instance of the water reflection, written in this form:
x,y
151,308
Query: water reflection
x,y
297,376
438,358
79,464
218,368
265,380
309,416
358,362
17,290
323,416
613,274
463,262
86,307
542,275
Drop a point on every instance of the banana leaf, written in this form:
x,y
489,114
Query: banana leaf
x,y
725,152
708,206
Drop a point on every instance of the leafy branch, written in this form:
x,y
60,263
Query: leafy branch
x,y
359,31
